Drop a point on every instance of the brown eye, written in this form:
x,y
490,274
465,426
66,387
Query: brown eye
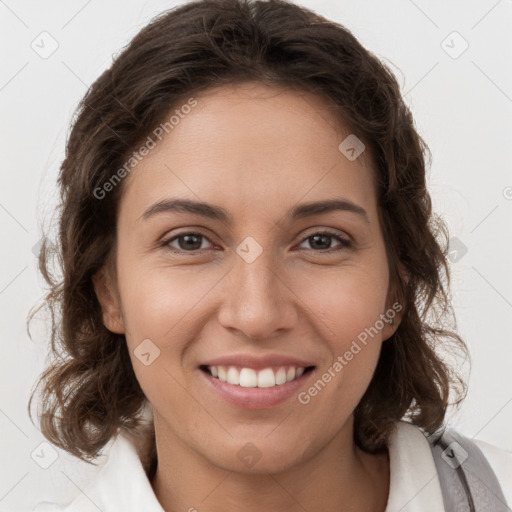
x,y
186,242
322,241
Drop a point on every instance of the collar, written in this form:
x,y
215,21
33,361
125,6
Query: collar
x,y
414,485
122,483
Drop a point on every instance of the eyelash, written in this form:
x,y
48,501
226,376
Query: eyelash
x,y
345,244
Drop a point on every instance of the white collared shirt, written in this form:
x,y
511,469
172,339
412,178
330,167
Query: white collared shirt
x,y
122,485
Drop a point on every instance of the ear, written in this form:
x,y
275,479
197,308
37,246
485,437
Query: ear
x,y
108,297
392,318
395,307
404,274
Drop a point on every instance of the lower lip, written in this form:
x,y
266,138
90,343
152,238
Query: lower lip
x,y
256,398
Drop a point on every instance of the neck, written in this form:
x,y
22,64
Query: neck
x,y
338,477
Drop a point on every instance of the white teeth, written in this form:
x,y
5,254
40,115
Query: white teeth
x,y
222,373
266,378
250,378
281,376
233,376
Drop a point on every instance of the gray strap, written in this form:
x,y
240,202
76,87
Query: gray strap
x,y
468,482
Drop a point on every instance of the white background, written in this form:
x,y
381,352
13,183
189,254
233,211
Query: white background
x,y
462,108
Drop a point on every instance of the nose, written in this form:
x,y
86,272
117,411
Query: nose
x,y
259,301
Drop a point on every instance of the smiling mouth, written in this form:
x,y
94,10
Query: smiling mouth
x,y
251,378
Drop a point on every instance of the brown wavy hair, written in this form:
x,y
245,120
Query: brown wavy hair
x,y
90,390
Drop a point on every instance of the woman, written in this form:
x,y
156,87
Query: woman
x,y
253,280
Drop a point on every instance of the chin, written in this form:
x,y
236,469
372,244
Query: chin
x,y
258,456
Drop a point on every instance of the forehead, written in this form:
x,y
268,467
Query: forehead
x,y
251,146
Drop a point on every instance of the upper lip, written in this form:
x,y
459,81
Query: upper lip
x,y
257,362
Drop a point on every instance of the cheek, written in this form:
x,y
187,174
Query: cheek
x,y
161,305
158,302
346,307
346,301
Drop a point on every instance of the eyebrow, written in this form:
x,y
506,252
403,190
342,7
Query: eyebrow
x,y
211,211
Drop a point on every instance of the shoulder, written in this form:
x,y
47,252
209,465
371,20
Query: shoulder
x,y
500,461
418,473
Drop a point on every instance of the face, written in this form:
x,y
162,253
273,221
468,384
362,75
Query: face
x,y
256,286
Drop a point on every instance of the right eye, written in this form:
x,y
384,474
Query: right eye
x,y
187,242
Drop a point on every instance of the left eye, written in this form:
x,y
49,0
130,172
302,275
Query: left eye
x,y
320,239
189,242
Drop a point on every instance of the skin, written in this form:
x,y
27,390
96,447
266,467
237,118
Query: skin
x,y
257,151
